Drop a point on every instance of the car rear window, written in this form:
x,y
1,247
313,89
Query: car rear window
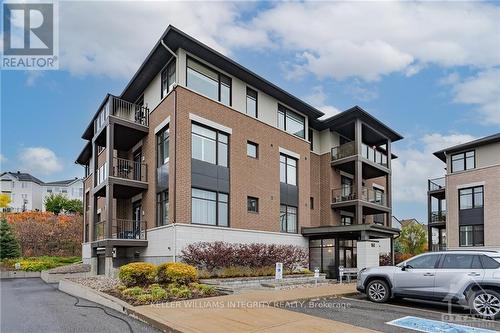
x,y
457,261
490,263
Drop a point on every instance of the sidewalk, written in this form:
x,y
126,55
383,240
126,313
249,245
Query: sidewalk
x,y
248,312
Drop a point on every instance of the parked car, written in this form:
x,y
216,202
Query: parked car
x,y
470,278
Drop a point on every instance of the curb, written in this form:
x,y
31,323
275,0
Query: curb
x,y
19,275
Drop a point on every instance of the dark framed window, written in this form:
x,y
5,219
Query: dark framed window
x,y
311,202
471,235
291,122
209,145
208,82
346,220
471,197
252,149
162,208
253,204
379,196
210,208
463,161
167,78
162,148
288,219
311,138
288,170
252,103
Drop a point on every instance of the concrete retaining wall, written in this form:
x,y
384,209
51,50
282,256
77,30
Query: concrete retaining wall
x,y
56,277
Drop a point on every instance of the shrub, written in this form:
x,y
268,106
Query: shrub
x,y
145,298
176,272
385,260
180,292
36,266
204,289
400,257
134,291
137,274
217,255
157,293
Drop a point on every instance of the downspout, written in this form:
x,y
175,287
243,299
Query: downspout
x,y
175,157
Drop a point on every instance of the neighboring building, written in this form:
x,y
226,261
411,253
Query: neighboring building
x,y
28,193
464,206
199,148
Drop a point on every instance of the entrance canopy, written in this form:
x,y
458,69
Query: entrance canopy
x,y
363,231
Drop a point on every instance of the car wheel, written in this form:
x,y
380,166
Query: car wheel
x,y
378,291
485,303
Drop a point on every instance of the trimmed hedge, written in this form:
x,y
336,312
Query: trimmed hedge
x,y
218,255
176,272
137,274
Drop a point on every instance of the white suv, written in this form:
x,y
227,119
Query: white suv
x,y
470,278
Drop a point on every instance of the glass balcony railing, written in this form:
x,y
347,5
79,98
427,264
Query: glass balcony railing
x,y
438,216
349,149
122,109
347,193
437,184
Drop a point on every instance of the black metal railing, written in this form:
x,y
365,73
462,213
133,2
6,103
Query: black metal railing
x,y
437,183
438,216
129,229
129,169
120,108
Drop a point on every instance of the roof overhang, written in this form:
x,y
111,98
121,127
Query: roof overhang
x,y
441,154
370,229
85,154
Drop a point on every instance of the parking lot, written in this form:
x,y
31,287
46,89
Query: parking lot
x,y
358,311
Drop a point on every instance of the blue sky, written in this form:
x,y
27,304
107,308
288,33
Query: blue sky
x,y
429,70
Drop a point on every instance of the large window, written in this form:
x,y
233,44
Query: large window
x,y
209,207
208,82
471,235
162,208
288,170
471,197
209,145
346,220
463,161
288,219
162,152
291,122
252,103
167,78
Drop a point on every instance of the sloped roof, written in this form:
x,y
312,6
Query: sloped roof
x,y
62,182
24,177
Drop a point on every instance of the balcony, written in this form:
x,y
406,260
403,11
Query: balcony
x,y
437,184
121,109
349,149
131,170
121,229
348,193
438,216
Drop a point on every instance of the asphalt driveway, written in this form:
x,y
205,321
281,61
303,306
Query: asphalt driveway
x,y
358,311
31,305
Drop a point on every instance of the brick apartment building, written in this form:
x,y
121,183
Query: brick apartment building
x,y
464,206
199,148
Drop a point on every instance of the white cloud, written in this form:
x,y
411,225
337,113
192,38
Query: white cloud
x,y
39,160
113,38
3,159
317,98
416,164
371,39
483,92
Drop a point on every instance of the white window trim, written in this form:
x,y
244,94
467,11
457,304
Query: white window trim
x,y
162,125
380,187
289,153
210,123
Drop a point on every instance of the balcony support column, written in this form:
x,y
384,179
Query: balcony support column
x,y
109,184
358,170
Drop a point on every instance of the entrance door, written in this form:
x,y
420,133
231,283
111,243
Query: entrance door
x,y
100,264
137,208
137,166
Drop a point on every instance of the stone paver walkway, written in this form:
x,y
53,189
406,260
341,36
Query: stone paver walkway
x,y
253,311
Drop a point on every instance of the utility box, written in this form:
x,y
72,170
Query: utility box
x,y
368,254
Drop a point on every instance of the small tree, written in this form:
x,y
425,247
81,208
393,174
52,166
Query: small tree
x,y
4,201
55,203
413,238
74,206
9,247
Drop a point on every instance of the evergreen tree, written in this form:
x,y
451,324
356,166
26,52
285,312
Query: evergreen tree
x,y
9,248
